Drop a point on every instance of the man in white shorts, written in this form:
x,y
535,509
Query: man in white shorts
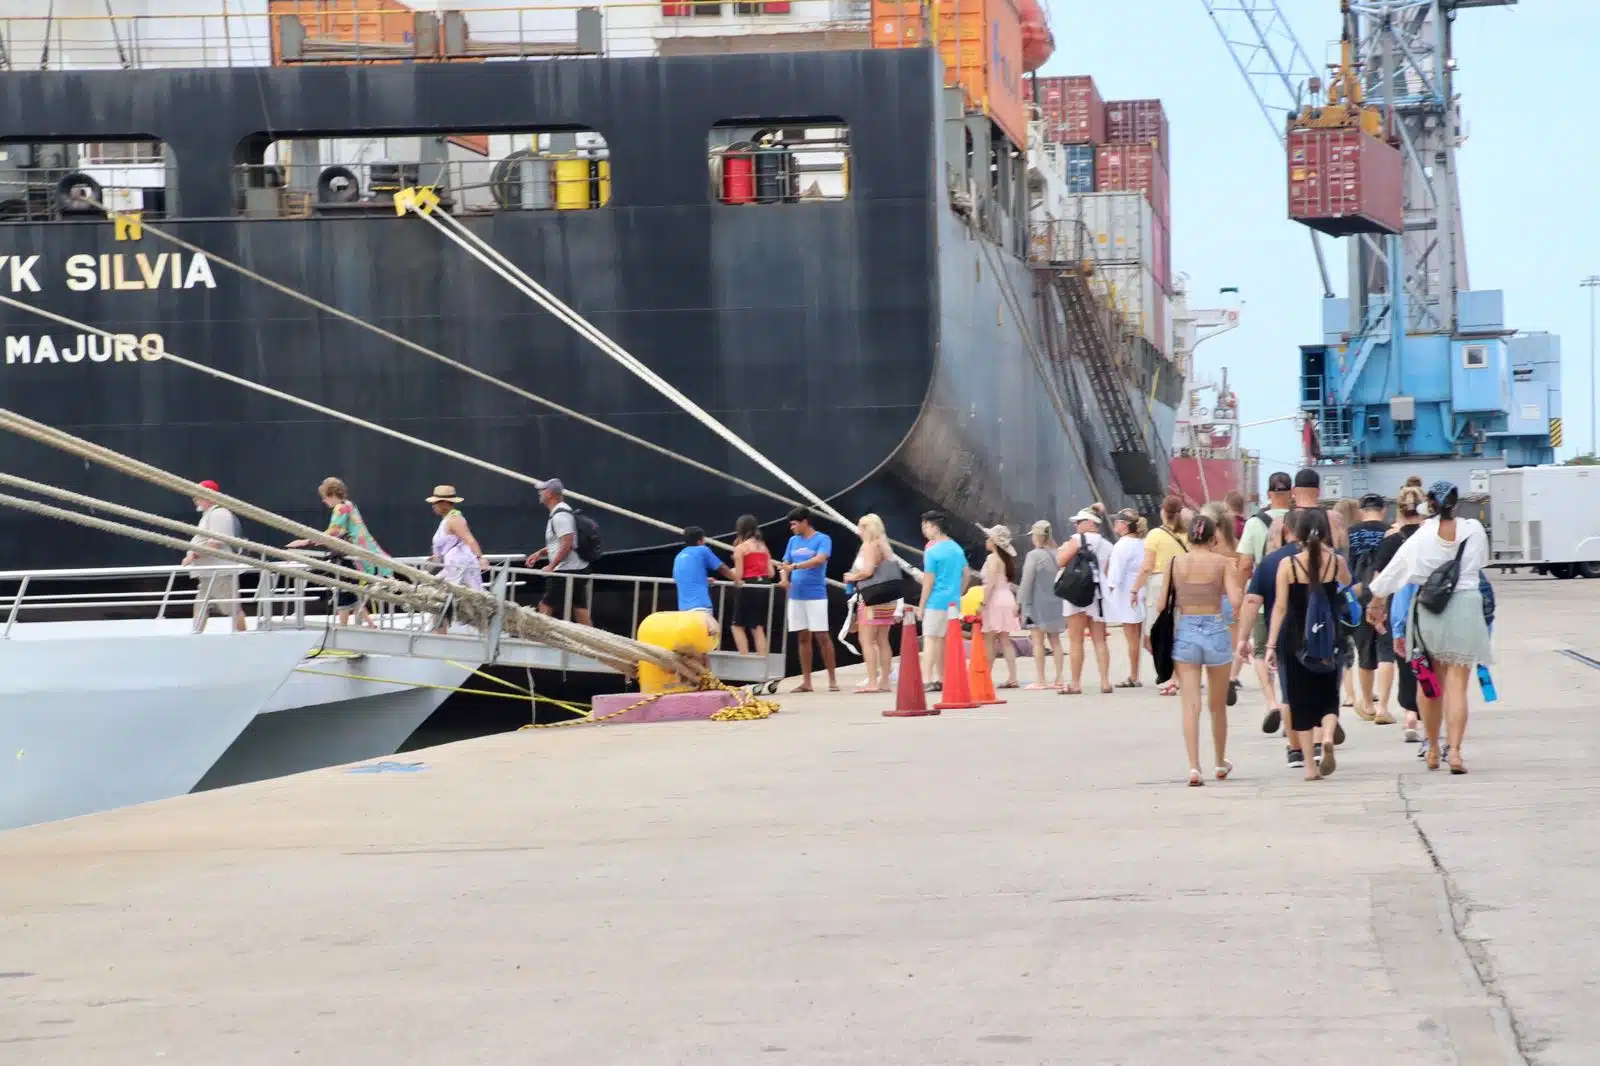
x,y
944,571
805,579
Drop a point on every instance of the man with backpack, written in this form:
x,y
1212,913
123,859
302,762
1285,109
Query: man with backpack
x,y
571,544
1374,651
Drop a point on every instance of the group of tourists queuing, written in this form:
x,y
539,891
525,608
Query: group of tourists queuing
x,y
1331,608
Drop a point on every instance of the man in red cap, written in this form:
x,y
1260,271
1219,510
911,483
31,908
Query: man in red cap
x,y
217,592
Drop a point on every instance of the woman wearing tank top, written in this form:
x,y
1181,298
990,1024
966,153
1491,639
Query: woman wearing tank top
x,y
875,565
1206,590
752,596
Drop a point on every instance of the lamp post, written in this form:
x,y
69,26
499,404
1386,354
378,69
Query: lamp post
x,y
1592,282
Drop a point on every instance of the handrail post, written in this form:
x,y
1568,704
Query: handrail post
x,y
166,595
491,639
16,605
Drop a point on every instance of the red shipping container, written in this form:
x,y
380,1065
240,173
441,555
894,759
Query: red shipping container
x,y
1138,122
1072,110
1345,181
1135,168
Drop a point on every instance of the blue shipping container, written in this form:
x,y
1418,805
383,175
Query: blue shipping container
x,y
1080,168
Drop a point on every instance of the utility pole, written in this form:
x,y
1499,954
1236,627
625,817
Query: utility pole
x,y
1592,282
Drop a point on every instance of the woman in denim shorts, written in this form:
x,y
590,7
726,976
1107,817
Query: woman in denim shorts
x,y
1207,589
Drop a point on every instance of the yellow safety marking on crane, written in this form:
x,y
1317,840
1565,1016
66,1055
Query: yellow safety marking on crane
x,y
1555,433
421,200
128,225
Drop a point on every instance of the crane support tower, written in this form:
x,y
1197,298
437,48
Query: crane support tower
x,y
1416,372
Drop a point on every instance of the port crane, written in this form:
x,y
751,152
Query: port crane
x,y
1415,371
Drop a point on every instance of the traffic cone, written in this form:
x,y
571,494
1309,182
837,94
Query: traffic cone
x,y
957,691
909,699
979,677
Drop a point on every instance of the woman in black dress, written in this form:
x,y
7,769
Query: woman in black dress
x,y
1313,697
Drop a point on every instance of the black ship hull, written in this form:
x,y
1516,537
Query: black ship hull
x,y
874,346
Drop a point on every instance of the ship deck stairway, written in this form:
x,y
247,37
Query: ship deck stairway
x,y
135,601
1098,337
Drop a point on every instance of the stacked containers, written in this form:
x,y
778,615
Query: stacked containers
x,y
1080,167
1141,168
1122,234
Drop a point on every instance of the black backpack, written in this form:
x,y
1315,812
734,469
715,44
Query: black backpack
x,y
586,543
1319,646
1077,582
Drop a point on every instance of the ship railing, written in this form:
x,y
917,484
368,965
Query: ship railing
x,y
384,31
616,603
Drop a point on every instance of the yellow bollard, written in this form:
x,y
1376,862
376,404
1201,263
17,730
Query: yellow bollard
x,y
683,632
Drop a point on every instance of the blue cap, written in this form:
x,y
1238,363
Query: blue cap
x,y
1441,491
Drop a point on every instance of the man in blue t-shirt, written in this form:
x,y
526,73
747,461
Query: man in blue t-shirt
x,y
691,572
944,570
805,578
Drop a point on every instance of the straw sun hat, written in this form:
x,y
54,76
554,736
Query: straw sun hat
x,y
444,494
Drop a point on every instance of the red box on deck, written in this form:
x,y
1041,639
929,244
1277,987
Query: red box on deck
x,y
1135,168
1072,110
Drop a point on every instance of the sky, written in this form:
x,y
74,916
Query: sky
x,y
1525,171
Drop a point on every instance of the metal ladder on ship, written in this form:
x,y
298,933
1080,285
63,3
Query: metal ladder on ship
x,y
1091,339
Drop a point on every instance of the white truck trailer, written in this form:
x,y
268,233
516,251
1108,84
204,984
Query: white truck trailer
x,y
1546,518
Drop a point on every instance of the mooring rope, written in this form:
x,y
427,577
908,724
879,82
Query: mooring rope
x,y
426,594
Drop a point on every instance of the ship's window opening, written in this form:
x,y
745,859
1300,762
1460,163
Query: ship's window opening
x,y
780,162
768,7
63,181
680,8
1522,373
473,173
1475,356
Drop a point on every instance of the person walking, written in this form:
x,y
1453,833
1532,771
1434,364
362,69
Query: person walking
x,y
805,578
1161,546
1263,533
1374,650
1000,615
1408,504
1206,586
217,591
1260,598
1122,570
1087,621
878,581
1234,501
692,569
566,572
1043,611
345,523
455,549
753,592
1227,545
944,574
1447,623
1311,687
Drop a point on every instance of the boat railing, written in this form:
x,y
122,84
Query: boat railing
x,y
272,601
286,32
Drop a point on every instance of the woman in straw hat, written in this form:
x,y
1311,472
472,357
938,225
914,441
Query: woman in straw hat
x,y
454,546
1000,615
1087,621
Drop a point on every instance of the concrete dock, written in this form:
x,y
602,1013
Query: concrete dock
x,y
1024,884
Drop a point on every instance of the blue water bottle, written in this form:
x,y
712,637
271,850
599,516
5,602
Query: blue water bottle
x,y
1486,684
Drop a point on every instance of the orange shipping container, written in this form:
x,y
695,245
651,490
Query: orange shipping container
x,y
980,42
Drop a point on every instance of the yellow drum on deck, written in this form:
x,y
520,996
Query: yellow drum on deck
x,y
683,632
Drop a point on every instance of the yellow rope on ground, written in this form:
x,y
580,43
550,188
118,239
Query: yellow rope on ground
x,y
748,708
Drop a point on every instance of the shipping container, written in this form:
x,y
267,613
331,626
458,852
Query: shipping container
x,y
1072,110
1080,167
1138,122
1118,227
1344,181
1135,168
1132,290
980,42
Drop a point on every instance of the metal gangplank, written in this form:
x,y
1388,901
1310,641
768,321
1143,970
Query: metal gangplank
x,y
134,601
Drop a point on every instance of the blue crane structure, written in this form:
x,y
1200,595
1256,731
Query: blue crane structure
x,y
1416,372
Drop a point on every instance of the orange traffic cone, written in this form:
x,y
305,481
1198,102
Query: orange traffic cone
x,y
957,691
979,678
909,699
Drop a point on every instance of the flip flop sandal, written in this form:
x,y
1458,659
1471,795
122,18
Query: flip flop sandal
x,y
1127,684
1224,770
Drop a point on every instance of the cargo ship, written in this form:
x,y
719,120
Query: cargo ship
x,y
855,233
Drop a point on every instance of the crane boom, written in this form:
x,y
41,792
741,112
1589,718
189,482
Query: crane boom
x,y
1275,67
